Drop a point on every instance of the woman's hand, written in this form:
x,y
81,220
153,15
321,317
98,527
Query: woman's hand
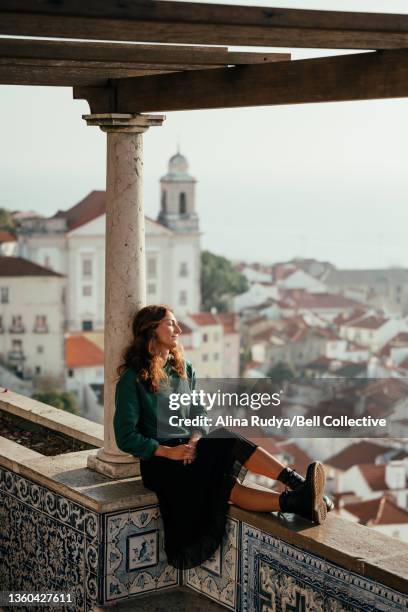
x,y
183,452
192,443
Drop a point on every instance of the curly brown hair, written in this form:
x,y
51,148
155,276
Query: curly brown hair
x,y
140,354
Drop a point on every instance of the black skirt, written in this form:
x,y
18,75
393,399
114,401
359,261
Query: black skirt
x,y
193,498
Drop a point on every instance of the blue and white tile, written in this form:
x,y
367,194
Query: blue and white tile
x,y
217,577
116,525
282,576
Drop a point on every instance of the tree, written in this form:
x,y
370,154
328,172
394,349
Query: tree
x,y
6,221
59,399
281,372
219,281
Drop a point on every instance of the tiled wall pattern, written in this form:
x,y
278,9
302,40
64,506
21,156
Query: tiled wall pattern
x,y
278,576
217,578
48,542
135,560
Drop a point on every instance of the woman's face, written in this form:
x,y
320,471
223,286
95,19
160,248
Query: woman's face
x,y
168,331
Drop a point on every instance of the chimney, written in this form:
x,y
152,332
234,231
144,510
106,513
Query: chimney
x,y
395,477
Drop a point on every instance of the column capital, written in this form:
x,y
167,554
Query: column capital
x,y
124,122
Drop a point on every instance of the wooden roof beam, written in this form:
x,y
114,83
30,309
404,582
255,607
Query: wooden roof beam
x,y
361,76
122,55
200,23
69,64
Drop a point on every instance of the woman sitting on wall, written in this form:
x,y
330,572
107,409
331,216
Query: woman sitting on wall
x,y
192,473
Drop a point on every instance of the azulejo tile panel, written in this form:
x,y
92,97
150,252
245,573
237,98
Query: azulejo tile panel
x,y
135,559
278,576
47,541
217,578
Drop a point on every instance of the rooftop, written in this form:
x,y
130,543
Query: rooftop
x,y
18,266
379,511
358,452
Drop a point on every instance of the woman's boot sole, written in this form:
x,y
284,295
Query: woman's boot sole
x,y
316,476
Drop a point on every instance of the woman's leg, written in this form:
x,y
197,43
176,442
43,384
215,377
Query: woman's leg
x,y
249,498
262,462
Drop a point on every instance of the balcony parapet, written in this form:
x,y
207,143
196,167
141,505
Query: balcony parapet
x,y
337,565
53,418
14,329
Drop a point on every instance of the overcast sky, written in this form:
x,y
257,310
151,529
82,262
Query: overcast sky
x,y
320,180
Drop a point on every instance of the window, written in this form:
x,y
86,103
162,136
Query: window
x,y
17,345
183,298
87,290
87,325
40,349
70,373
1,324
17,324
4,295
40,323
183,269
151,267
151,288
204,357
87,267
205,337
164,201
38,369
182,203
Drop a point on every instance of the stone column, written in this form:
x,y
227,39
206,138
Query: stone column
x,y
125,265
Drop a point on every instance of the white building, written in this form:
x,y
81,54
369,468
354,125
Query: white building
x,y
31,318
372,330
84,367
8,243
368,481
72,242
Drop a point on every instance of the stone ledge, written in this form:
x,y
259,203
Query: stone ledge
x,y
58,420
69,476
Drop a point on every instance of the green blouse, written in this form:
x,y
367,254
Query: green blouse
x,y
141,419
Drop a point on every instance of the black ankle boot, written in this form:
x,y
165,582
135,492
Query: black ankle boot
x,y
294,481
307,499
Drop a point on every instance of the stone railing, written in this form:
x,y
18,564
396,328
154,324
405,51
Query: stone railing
x,y
66,527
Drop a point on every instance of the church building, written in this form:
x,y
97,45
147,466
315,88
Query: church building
x,y
72,242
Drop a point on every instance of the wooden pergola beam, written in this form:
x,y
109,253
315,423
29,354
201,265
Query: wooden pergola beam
x,y
123,55
361,76
69,64
191,23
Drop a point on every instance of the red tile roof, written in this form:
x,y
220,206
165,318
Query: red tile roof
x,y
7,236
371,322
404,364
18,266
358,452
204,318
88,209
321,301
379,511
374,475
229,321
81,352
343,318
400,340
91,207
